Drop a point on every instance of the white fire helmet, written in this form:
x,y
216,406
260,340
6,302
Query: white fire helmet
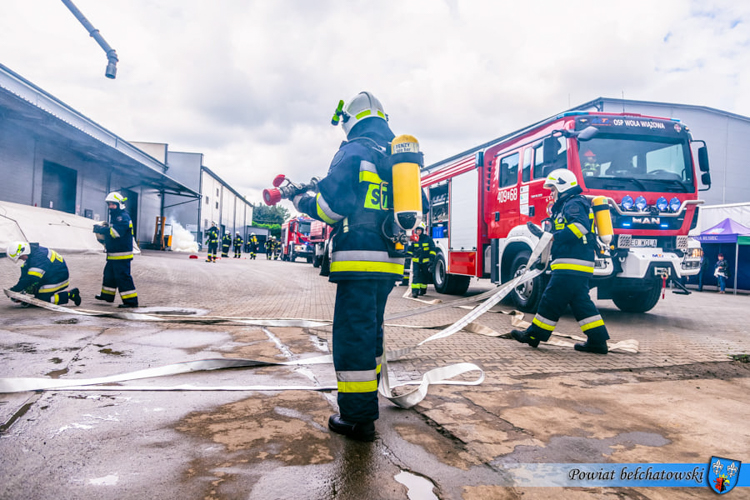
x,y
115,197
561,180
361,107
16,249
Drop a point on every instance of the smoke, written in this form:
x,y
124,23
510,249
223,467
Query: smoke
x,y
182,239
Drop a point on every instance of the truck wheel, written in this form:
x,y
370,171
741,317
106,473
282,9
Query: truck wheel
x,y
292,256
316,261
527,296
637,301
450,284
309,260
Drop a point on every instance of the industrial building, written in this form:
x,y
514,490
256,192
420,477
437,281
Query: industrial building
x,y
52,156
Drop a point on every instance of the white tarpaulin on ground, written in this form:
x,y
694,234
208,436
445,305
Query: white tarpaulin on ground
x,y
66,233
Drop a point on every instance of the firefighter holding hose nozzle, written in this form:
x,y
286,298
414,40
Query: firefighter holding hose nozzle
x,y
354,198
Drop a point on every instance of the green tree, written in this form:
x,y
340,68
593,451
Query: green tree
x,y
263,214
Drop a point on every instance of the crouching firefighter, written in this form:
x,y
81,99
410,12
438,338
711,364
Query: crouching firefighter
x,y
354,198
118,240
44,274
572,265
422,253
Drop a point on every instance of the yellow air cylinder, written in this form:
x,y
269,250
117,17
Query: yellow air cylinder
x,y
603,219
407,184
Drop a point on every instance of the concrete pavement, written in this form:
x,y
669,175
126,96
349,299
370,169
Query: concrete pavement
x,y
552,404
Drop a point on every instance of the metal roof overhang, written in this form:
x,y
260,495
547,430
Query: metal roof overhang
x,y
43,116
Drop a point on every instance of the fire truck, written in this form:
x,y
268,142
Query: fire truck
x,y
295,239
320,234
482,199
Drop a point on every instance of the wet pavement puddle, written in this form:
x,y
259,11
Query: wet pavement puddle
x,y
419,488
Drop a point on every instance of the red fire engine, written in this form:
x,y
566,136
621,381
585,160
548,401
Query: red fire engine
x,y
295,239
482,199
320,233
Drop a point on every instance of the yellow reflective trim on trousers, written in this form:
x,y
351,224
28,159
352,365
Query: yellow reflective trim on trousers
x,y
575,230
129,295
120,257
53,288
366,267
572,267
369,386
543,326
107,292
593,324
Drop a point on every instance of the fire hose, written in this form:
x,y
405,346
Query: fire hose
x,y
442,375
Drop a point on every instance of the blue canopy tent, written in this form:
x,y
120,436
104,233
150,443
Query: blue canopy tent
x,y
733,240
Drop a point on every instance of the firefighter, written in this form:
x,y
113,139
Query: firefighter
x,y
276,248
212,238
361,265
226,243
590,167
237,245
44,274
422,253
269,247
572,264
118,240
253,244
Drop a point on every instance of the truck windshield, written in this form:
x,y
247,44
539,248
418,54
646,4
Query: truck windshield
x,y
304,227
636,163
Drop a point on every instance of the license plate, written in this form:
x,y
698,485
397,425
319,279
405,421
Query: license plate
x,y
640,242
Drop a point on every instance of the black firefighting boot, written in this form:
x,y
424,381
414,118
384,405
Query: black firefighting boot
x,y
75,296
525,337
414,293
128,305
105,298
359,431
422,291
588,346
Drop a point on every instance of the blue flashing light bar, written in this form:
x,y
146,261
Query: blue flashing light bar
x,y
626,224
664,226
572,113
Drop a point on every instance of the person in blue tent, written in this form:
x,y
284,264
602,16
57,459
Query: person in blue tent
x,y
721,271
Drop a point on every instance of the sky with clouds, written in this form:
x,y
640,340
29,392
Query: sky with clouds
x,y
252,84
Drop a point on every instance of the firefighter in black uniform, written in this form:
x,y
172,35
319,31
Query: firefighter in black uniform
x,y
226,244
44,273
572,264
422,254
350,198
269,247
118,240
212,238
237,245
253,244
276,248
